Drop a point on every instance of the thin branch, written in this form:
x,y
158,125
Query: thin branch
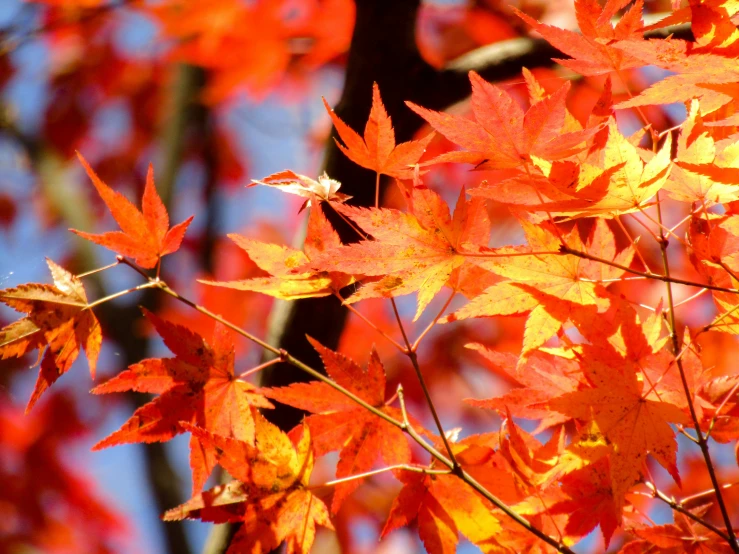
x,y
702,442
665,278
678,507
414,362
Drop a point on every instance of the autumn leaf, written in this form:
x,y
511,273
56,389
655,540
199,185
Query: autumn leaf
x,y
589,501
377,149
270,496
634,425
545,285
339,423
197,386
282,261
705,170
443,507
325,188
58,319
622,181
543,376
705,68
414,251
503,136
683,536
145,235
592,50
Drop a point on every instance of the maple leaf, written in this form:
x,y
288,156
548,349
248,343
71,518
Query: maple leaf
x,y
682,537
593,51
546,286
57,319
590,501
632,424
443,507
145,235
705,170
377,150
501,135
325,189
706,68
340,423
198,386
270,496
543,376
621,182
282,261
415,251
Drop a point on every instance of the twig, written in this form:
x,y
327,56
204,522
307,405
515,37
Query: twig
x,y
678,507
702,442
665,278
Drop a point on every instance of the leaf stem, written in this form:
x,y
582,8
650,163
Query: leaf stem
x,y
125,261
259,368
98,270
103,300
369,322
404,467
633,243
430,326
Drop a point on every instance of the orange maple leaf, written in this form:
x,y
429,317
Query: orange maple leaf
x,y
705,170
502,136
281,263
339,423
144,236
198,386
632,424
682,537
270,496
544,284
589,501
542,377
58,319
592,51
706,68
415,251
443,507
377,150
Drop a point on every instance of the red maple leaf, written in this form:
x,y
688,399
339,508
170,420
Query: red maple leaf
x,y
502,136
145,235
58,319
377,150
270,496
198,386
592,50
340,423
